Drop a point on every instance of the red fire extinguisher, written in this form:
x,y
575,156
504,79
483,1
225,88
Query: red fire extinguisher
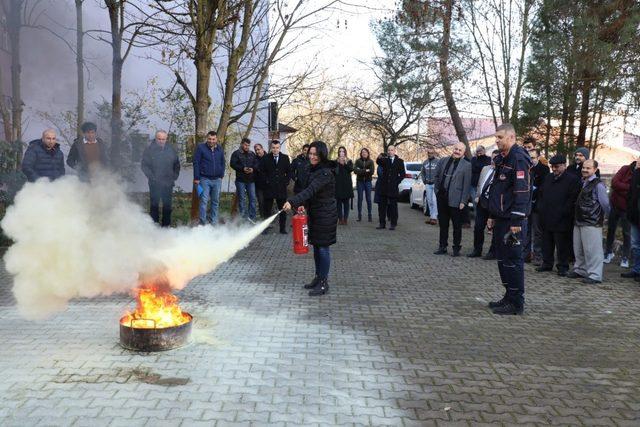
x,y
300,232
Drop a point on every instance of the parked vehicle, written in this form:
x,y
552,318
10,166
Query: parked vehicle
x,y
412,170
417,195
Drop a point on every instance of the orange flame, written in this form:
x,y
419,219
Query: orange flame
x,y
156,307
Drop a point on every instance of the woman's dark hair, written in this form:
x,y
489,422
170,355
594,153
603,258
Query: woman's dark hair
x,y
368,153
342,147
321,150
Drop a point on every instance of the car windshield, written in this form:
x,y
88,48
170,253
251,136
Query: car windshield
x,y
413,167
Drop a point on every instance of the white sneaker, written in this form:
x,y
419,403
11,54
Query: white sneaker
x,y
624,263
608,258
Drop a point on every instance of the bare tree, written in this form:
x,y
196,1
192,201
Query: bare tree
x,y
79,67
500,31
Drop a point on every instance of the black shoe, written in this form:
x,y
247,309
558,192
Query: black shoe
x,y
489,256
474,254
629,275
562,273
573,275
544,268
508,308
359,218
455,253
496,304
283,231
590,281
313,283
393,227
321,288
441,251
380,227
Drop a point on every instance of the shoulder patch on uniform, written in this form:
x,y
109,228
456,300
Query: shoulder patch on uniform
x,y
520,174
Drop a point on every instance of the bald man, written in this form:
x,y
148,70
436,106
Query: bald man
x,y
509,207
43,158
161,165
452,186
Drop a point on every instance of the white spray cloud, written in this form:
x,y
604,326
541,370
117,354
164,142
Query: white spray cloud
x,y
73,239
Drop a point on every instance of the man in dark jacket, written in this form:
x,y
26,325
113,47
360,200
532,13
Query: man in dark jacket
x,y
556,199
580,156
633,217
258,149
509,205
208,171
392,175
479,161
245,163
276,168
533,244
300,170
620,185
161,165
43,158
452,186
89,153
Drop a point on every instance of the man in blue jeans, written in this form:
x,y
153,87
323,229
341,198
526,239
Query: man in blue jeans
x,y
208,171
245,163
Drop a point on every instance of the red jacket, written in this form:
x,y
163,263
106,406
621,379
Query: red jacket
x,y
620,185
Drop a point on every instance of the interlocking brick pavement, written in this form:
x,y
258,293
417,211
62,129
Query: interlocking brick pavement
x,y
403,339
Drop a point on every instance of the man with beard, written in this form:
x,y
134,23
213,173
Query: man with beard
x,y
592,206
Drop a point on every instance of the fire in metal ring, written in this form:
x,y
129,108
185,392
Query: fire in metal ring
x,y
154,339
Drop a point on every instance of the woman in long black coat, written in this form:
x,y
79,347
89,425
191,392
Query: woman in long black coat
x,y
320,197
344,185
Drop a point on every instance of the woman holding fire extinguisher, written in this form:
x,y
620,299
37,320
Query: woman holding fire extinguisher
x,y
320,197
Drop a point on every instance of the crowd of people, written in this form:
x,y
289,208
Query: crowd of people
x,y
538,210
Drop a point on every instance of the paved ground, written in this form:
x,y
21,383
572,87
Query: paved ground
x,y
402,339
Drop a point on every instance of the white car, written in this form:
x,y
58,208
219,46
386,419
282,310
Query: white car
x,y
412,170
417,196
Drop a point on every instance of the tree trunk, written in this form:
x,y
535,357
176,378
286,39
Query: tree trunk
x,y
203,64
446,78
5,114
80,66
584,110
116,83
523,50
237,54
549,116
13,28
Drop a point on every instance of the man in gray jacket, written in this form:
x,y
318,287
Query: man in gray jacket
x,y
161,165
429,178
452,185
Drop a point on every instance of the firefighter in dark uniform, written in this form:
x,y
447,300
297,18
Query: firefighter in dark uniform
x,y
509,207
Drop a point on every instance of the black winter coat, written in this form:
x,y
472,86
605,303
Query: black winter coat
x,y
240,160
38,162
276,178
320,197
300,172
538,174
364,170
477,163
557,200
344,185
633,199
260,181
392,176
161,165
